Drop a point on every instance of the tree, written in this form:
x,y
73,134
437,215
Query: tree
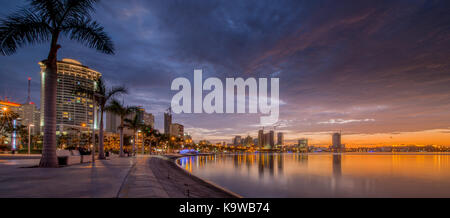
x,y
45,21
119,109
150,136
134,124
7,118
104,95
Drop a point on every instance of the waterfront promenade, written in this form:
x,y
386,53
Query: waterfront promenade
x,y
139,177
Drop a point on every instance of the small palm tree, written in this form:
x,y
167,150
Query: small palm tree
x,y
6,119
134,124
119,109
45,21
104,95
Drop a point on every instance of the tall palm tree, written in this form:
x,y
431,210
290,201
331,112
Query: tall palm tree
x,y
45,21
123,111
134,124
104,95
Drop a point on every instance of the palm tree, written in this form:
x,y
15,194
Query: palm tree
x,y
150,135
45,21
104,95
123,111
134,124
6,119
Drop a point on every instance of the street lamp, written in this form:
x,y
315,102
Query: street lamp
x,y
29,138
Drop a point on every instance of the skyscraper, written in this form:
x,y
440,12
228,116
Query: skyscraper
x,y
177,130
30,115
74,109
167,123
149,119
112,122
237,141
261,138
280,139
337,146
269,140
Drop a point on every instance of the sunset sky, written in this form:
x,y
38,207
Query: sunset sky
x,y
379,71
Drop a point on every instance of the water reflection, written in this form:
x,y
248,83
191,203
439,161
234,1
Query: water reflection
x,y
326,175
337,168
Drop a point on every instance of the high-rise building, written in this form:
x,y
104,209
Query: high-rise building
x,y
74,109
149,119
167,123
269,140
237,141
337,146
261,138
112,123
30,115
177,130
280,139
248,141
303,143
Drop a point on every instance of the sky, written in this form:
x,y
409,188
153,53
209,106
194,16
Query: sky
x,y
379,71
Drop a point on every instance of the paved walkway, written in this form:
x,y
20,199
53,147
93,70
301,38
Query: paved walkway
x,y
141,177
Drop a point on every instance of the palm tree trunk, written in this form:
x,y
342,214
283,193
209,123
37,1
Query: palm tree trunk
x,y
134,144
121,143
101,149
121,138
143,143
49,158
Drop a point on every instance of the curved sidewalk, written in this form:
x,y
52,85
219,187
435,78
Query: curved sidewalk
x,y
140,177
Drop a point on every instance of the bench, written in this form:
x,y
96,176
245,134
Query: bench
x,y
66,157
83,158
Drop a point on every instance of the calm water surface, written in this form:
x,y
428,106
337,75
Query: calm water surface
x,y
326,175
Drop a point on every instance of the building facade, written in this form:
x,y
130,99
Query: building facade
x,y
280,139
30,117
337,145
74,109
261,138
149,119
167,123
177,130
269,140
237,141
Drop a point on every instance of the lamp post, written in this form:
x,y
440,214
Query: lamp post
x,y
29,138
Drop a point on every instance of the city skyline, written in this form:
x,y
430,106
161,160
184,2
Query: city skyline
x,y
376,71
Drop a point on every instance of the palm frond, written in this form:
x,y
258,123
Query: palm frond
x,y
50,10
76,9
116,90
22,28
89,33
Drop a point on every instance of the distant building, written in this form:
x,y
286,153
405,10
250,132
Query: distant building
x,y
74,109
30,115
261,138
112,122
149,119
337,145
280,139
269,140
167,123
177,130
248,141
237,141
303,143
